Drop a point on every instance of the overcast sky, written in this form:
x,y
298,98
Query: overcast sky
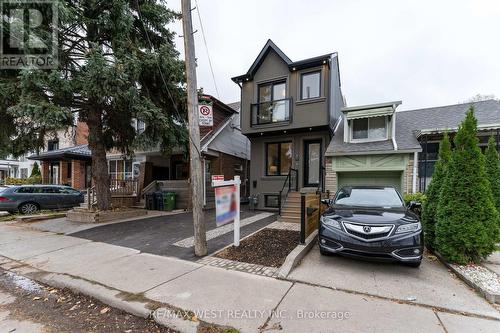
x,y
425,53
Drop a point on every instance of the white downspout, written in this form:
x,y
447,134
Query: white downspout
x,y
393,134
414,180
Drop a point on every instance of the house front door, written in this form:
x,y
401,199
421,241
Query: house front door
x,y
312,163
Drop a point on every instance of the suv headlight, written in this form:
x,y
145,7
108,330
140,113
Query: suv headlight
x,y
411,227
330,222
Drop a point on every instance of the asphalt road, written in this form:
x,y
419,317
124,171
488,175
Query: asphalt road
x,y
157,235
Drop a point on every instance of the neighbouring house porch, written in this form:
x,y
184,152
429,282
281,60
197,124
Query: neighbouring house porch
x,y
67,166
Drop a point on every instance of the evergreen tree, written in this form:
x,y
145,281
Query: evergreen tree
x,y
429,211
117,62
35,172
493,170
466,228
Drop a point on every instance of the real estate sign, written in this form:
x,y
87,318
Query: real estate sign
x,y
225,204
206,114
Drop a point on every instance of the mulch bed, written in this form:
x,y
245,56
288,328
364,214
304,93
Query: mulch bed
x,y
268,247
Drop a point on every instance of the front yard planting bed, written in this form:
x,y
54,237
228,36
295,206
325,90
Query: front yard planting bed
x,y
268,247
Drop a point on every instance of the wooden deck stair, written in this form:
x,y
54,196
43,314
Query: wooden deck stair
x,y
291,208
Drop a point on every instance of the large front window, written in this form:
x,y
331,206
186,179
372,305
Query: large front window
x,y
120,169
374,128
279,158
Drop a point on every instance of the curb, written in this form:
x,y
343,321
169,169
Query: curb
x,y
109,296
490,297
294,257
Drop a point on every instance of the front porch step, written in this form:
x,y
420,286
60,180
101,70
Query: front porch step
x,y
308,190
288,211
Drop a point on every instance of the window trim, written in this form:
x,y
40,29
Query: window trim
x,y
318,71
266,197
351,130
279,143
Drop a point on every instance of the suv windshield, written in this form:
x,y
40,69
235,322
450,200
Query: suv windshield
x,y
369,197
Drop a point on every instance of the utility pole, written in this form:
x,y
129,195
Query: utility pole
x,y
200,238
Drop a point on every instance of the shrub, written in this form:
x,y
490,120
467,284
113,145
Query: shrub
x,y
493,171
35,172
417,196
466,228
23,181
429,208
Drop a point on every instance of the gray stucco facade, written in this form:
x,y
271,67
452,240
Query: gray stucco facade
x,y
308,122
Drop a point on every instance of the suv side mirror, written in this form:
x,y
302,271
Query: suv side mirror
x,y
414,204
327,202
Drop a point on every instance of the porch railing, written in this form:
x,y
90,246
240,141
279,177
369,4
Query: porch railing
x,y
271,112
291,183
123,186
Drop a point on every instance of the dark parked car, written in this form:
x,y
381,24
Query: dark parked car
x,y
28,199
372,222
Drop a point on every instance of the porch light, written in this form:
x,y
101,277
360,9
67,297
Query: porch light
x,y
293,68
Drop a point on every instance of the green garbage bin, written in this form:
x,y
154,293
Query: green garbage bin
x,y
168,201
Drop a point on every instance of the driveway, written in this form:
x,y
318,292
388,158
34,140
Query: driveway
x,y
172,235
430,285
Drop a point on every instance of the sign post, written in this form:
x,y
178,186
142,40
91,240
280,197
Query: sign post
x,y
227,203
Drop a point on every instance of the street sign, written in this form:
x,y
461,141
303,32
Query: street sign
x,y
227,203
206,115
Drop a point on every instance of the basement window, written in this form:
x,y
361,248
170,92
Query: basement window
x,y
271,201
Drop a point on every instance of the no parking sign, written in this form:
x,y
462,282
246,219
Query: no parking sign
x,y
206,114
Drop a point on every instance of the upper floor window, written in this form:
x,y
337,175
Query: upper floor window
x,y
310,85
138,125
374,128
52,145
272,106
272,92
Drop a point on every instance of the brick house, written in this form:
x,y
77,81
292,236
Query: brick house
x,y
224,150
66,158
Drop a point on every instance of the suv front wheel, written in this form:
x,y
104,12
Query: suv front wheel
x,y
28,208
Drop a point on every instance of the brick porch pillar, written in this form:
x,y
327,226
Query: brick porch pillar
x,y
78,175
44,166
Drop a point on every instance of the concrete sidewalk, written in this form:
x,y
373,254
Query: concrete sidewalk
x,y
139,283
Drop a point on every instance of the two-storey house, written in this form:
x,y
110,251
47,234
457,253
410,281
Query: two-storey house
x,y
289,110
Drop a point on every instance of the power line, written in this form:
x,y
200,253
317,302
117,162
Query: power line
x,y
161,73
206,48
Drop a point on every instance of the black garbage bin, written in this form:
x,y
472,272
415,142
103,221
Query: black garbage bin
x,y
150,201
158,199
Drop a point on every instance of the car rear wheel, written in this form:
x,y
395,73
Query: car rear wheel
x,y
28,208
